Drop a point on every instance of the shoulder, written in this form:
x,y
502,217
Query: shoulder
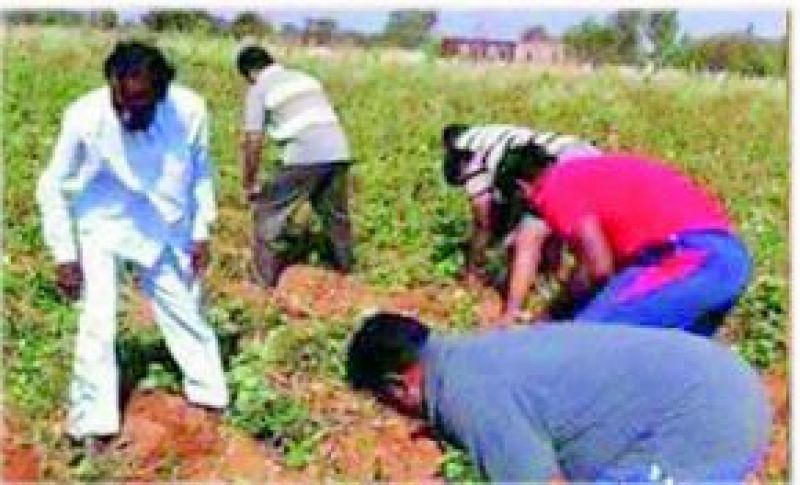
x,y
88,107
297,73
573,169
477,137
296,79
85,116
186,100
481,359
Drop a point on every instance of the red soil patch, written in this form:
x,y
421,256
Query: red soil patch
x,y
776,463
390,449
20,461
366,441
305,291
164,437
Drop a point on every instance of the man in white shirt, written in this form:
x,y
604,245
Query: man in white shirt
x,y
130,181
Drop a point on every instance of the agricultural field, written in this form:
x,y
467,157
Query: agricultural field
x,y
292,416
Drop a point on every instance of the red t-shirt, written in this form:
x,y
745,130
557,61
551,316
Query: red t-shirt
x,y
638,202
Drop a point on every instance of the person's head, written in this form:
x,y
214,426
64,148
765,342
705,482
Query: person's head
x,y
384,358
454,158
520,161
251,59
139,76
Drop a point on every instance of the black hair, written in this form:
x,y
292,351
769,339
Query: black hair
x,y
454,157
451,132
386,344
129,56
252,58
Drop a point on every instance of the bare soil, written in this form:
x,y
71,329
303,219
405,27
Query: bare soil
x,y
165,438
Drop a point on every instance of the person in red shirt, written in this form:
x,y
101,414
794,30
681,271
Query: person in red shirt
x,y
653,247
485,161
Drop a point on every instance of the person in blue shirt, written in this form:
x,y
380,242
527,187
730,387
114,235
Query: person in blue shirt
x,y
575,402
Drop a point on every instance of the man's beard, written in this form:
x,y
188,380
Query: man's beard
x,y
136,120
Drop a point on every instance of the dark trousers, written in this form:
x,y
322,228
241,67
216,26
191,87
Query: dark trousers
x,y
325,186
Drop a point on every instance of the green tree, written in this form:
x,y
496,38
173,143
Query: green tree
x,y
104,19
683,54
628,26
409,28
181,21
45,17
591,41
250,24
742,53
661,30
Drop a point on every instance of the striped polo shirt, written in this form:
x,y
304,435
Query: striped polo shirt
x,y
490,144
295,111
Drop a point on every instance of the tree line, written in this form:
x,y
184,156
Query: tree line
x,y
653,37
629,36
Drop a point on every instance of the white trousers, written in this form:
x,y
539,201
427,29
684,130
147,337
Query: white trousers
x,y
94,390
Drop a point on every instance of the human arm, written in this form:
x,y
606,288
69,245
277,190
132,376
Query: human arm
x,y
252,140
52,195
525,258
498,436
593,250
594,266
481,207
252,146
512,453
574,218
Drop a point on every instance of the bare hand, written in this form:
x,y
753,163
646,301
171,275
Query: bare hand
x,y
252,195
503,321
579,286
552,255
251,191
69,280
512,317
474,275
201,257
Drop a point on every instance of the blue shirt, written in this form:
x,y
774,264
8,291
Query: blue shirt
x,y
531,403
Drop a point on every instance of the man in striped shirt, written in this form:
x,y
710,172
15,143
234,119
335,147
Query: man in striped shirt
x,y
487,161
294,110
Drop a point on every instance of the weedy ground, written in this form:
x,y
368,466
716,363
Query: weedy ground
x,y
292,417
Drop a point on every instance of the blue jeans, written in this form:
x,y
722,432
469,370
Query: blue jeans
x,y
689,283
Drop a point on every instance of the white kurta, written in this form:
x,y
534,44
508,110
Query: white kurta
x,y
108,196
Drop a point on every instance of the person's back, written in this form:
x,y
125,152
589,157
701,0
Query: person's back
x,y
293,108
584,399
298,115
638,202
